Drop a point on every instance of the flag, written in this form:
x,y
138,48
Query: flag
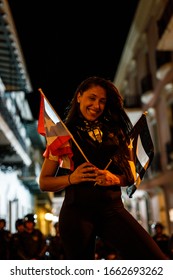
x,y
56,134
141,150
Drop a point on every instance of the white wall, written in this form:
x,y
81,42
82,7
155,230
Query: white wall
x,y
15,199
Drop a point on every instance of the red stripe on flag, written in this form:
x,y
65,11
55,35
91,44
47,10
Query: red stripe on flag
x,y
57,143
41,127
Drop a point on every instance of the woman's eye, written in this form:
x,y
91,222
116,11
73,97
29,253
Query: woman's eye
x,y
103,102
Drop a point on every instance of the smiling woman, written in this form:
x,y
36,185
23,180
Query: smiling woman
x,y
92,206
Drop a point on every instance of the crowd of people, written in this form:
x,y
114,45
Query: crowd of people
x,y
28,242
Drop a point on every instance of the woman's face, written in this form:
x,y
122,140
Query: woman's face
x,y
92,102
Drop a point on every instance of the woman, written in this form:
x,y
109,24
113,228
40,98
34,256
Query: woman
x,y
92,205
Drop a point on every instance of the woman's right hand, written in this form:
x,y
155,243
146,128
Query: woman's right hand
x,y
86,172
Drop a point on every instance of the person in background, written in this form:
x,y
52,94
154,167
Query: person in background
x,y
5,239
93,205
55,248
32,243
15,239
161,238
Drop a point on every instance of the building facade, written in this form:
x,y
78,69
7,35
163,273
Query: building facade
x,y
145,79
20,145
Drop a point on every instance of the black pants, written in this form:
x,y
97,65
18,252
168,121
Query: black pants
x,y
80,224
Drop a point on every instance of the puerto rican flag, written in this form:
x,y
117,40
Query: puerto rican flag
x,y
56,134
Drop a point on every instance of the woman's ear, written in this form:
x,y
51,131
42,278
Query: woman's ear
x,y
78,97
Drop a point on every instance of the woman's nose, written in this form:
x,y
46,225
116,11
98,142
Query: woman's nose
x,y
96,104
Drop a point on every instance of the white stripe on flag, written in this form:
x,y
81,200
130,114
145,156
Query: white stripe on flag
x,y
50,112
140,152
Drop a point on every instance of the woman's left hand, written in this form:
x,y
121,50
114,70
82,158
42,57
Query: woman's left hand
x,y
106,178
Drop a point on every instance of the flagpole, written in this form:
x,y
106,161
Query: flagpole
x,y
64,126
106,167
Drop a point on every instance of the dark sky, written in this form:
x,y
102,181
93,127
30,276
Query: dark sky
x,y
64,42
